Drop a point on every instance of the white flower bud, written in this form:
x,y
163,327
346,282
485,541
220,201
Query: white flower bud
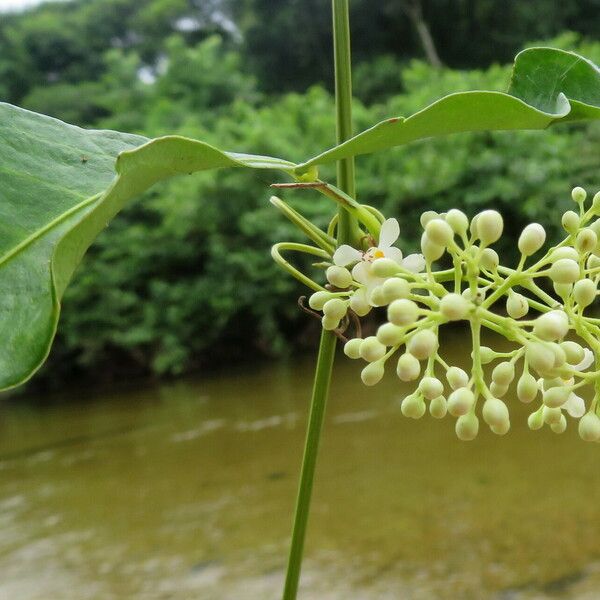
x,y
372,373
498,390
551,415
371,349
430,250
489,259
517,305
479,295
457,220
339,277
578,194
438,407
439,232
408,367
413,407
318,299
531,239
359,303
460,401
486,355
561,426
427,216
586,240
584,292
390,335
551,326
503,373
535,420
570,221
527,388
563,289
423,344
456,377
540,357
564,252
555,397
335,308
589,427
495,412
431,387
403,312
593,261
596,203
467,427
352,348
454,307
489,226
573,351
564,270
376,297
560,358
395,288
502,428
329,323
384,267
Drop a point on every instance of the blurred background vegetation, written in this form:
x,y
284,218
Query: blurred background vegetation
x,y
183,278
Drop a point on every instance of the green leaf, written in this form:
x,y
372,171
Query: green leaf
x,y
548,86
57,192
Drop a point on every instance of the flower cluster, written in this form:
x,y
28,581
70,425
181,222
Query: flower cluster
x,y
557,345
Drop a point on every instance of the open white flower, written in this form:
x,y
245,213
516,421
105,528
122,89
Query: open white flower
x,y
575,404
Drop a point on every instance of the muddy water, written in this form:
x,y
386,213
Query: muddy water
x,y
186,491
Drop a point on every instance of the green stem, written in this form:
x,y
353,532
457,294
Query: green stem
x,y
346,226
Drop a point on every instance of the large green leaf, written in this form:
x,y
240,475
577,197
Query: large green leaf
x,y
547,86
57,192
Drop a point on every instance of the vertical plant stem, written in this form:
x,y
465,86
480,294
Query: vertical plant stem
x,y
324,368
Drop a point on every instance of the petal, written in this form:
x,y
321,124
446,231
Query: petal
x,y
588,359
395,254
345,255
414,263
390,232
362,272
575,406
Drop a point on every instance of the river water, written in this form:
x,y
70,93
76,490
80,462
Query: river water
x,y
185,491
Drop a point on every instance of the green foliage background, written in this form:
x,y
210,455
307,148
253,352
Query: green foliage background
x,y
183,278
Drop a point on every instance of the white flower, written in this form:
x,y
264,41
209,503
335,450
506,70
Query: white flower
x,y
362,271
575,404
588,359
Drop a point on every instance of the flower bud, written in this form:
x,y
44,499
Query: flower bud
x,y
531,239
578,194
564,252
318,299
439,232
501,429
454,307
593,261
564,270
423,344
430,250
335,308
527,388
495,412
563,289
359,303
413,407
573,351
489,226
376,297
390,335
457,378
431,387
551,326
329,323
372,349
384,267
535,420
372,373
551,415
457,220
339,277
570,221
540,357
408,367
503,373
403,312
586,240
589,427
489,259
438,407
467,427
352,348
395,288
427,216
486,355
517,305
460,401
596,203
560,358
498,390
555,397
584,292
561,426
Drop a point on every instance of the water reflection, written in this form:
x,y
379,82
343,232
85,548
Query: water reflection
x,y
186,491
